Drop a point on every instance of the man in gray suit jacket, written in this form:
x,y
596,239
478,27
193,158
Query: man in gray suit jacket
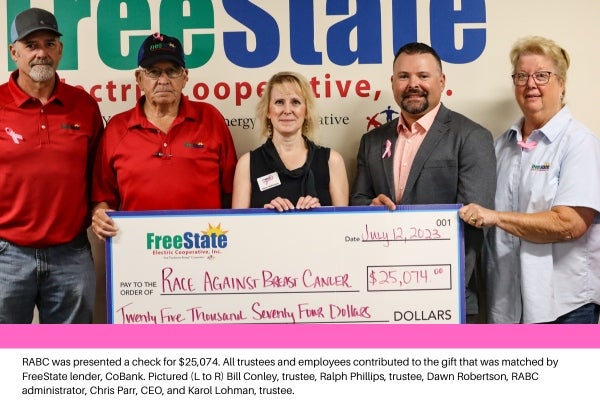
x,y
428,155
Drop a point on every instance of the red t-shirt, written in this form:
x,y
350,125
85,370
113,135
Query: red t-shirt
x,y
46,156
138,167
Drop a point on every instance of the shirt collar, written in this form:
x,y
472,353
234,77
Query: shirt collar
x,y
20,97
422,125
551,130
138,117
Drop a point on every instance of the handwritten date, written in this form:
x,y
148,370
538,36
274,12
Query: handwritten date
x,y
400,234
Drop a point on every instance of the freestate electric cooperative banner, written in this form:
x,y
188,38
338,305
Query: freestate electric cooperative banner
x,y
344,47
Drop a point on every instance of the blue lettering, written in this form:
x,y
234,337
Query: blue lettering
x,y
367,25
205,242
265,29
457,30
404,23
302,33
444,19
188,240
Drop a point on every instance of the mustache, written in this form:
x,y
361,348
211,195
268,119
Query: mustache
x,y
44,61
412,92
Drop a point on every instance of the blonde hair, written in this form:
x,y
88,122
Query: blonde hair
x,y
304,89
544,47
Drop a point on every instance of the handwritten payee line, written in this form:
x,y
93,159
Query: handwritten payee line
x,y
254,293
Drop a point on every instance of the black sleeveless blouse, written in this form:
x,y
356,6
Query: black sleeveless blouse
x,y
311,179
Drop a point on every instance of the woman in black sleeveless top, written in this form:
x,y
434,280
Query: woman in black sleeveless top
x,y
289,171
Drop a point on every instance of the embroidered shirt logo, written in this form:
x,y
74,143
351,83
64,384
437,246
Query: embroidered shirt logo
x,y
198,145
540,167
14,135
74,126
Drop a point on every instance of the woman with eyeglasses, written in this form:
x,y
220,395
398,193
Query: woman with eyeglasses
x,y
542,250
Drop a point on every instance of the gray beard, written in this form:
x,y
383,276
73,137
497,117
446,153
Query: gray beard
x,y
41,73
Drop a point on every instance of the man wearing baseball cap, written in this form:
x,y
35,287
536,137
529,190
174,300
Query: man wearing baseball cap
x,y
48,136
33,20
167,152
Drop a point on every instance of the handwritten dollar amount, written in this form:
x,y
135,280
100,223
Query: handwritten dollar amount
x,y
409,277
198,361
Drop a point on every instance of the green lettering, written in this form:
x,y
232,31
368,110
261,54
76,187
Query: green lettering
x,y
176,18
112,23
178,242
68,14
149,240
213,241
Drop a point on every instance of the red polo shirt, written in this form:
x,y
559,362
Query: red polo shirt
x,y
138,167
46,156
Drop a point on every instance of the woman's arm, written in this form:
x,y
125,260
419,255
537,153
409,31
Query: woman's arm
x,y
338,180
559,224
242,187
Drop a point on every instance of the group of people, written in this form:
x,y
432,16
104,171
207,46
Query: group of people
x,y
531,197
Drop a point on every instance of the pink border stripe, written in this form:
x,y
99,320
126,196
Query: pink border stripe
x,y
299,336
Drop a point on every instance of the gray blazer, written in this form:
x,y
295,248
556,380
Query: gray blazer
x,y
456,163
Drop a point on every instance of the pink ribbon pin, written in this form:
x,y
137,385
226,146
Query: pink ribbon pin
x,y
14,135
527,146
388,150
158,36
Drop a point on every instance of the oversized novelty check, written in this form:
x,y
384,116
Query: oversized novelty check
x,y
328,265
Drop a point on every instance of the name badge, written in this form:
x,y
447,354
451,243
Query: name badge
x,y
268,181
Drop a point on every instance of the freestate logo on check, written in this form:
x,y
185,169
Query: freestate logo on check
x,y
212,238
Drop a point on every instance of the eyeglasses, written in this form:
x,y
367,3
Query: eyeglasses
x,y
155,73
540,78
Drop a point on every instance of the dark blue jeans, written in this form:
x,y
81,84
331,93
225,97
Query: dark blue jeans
x,y
59,280
587,314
